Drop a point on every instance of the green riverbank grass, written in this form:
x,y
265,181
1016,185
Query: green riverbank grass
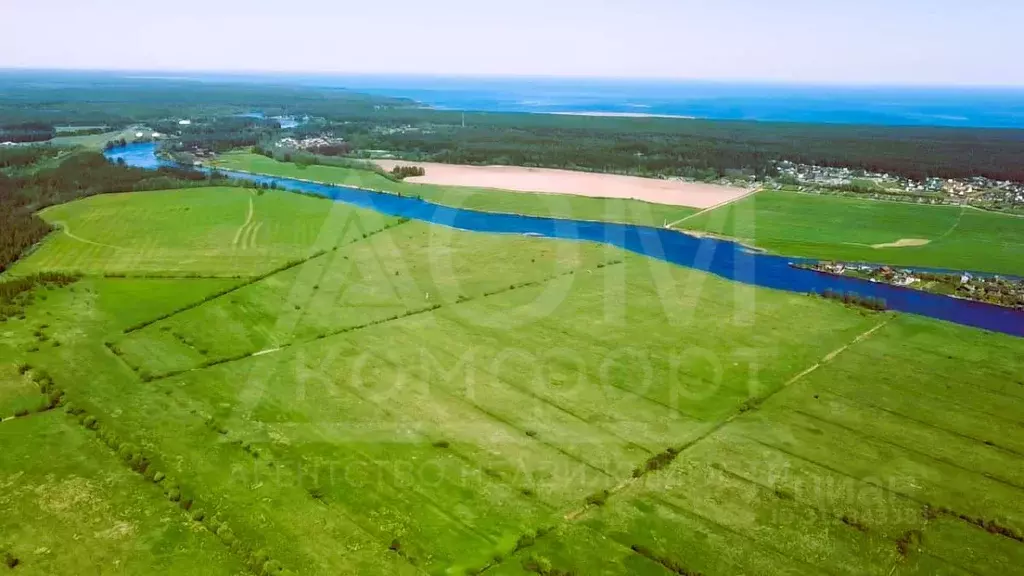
x,y
838,228
483,199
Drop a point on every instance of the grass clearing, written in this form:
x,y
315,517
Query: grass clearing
x,y
195,231
429,401
839,228
483,199
95,141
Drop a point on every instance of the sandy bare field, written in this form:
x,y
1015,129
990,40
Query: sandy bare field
x,y
551,181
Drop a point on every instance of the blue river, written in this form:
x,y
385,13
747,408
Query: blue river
x,y
719,257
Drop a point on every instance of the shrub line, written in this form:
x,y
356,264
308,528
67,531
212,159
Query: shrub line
x,y
287,266
241,356
254,279
256,560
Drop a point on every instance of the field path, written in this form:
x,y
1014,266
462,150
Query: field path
x,y
248,220
715,207
250,239
67,230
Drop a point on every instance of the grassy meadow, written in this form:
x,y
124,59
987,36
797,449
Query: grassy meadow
x,y
372,396
241,232
95,141
483,199
841,228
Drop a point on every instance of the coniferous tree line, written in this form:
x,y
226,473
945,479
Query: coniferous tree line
x,y
27,132
692,148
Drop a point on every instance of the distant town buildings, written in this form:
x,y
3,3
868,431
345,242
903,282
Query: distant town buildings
x,y
977,191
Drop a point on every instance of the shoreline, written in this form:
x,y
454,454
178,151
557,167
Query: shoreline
x,y
620,115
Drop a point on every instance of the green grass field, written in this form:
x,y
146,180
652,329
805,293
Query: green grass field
x,y
95,141
411,399
484,199
833,227
206,231
79,509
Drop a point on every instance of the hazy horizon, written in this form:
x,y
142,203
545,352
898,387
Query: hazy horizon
x,y
259,74
871,43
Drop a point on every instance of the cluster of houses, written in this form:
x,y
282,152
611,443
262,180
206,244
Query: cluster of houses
x,y
980,191
1007,292
309,143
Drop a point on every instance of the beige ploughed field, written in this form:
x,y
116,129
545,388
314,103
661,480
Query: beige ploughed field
x,y
522,179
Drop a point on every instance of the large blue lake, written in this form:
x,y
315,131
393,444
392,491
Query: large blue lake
x,y
719,257
880,105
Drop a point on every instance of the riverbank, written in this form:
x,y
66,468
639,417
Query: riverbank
x,y
995,290
723,259
560,206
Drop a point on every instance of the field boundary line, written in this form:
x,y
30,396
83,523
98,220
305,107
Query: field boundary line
x,y
923,423
457,453
576,513
715,207
879,440
254,279
757,542
338,332
583,335
857,479
545,401
505,422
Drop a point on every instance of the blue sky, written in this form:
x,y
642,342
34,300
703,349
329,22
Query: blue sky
x,y
809,41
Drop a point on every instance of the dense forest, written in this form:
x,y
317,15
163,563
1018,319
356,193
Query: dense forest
x,y
222,134
227,114
27,132
80,174
694,148
107,99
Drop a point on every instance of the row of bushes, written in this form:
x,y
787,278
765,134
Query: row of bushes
x,y
854,299
990,526
252,280
525,541
656,462
53,396
671,565
258,561
16,293
541,565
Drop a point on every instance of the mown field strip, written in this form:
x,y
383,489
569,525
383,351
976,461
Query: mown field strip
x,y
876,439
530,393
254,280
873,406
760,543
346,330
578,512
